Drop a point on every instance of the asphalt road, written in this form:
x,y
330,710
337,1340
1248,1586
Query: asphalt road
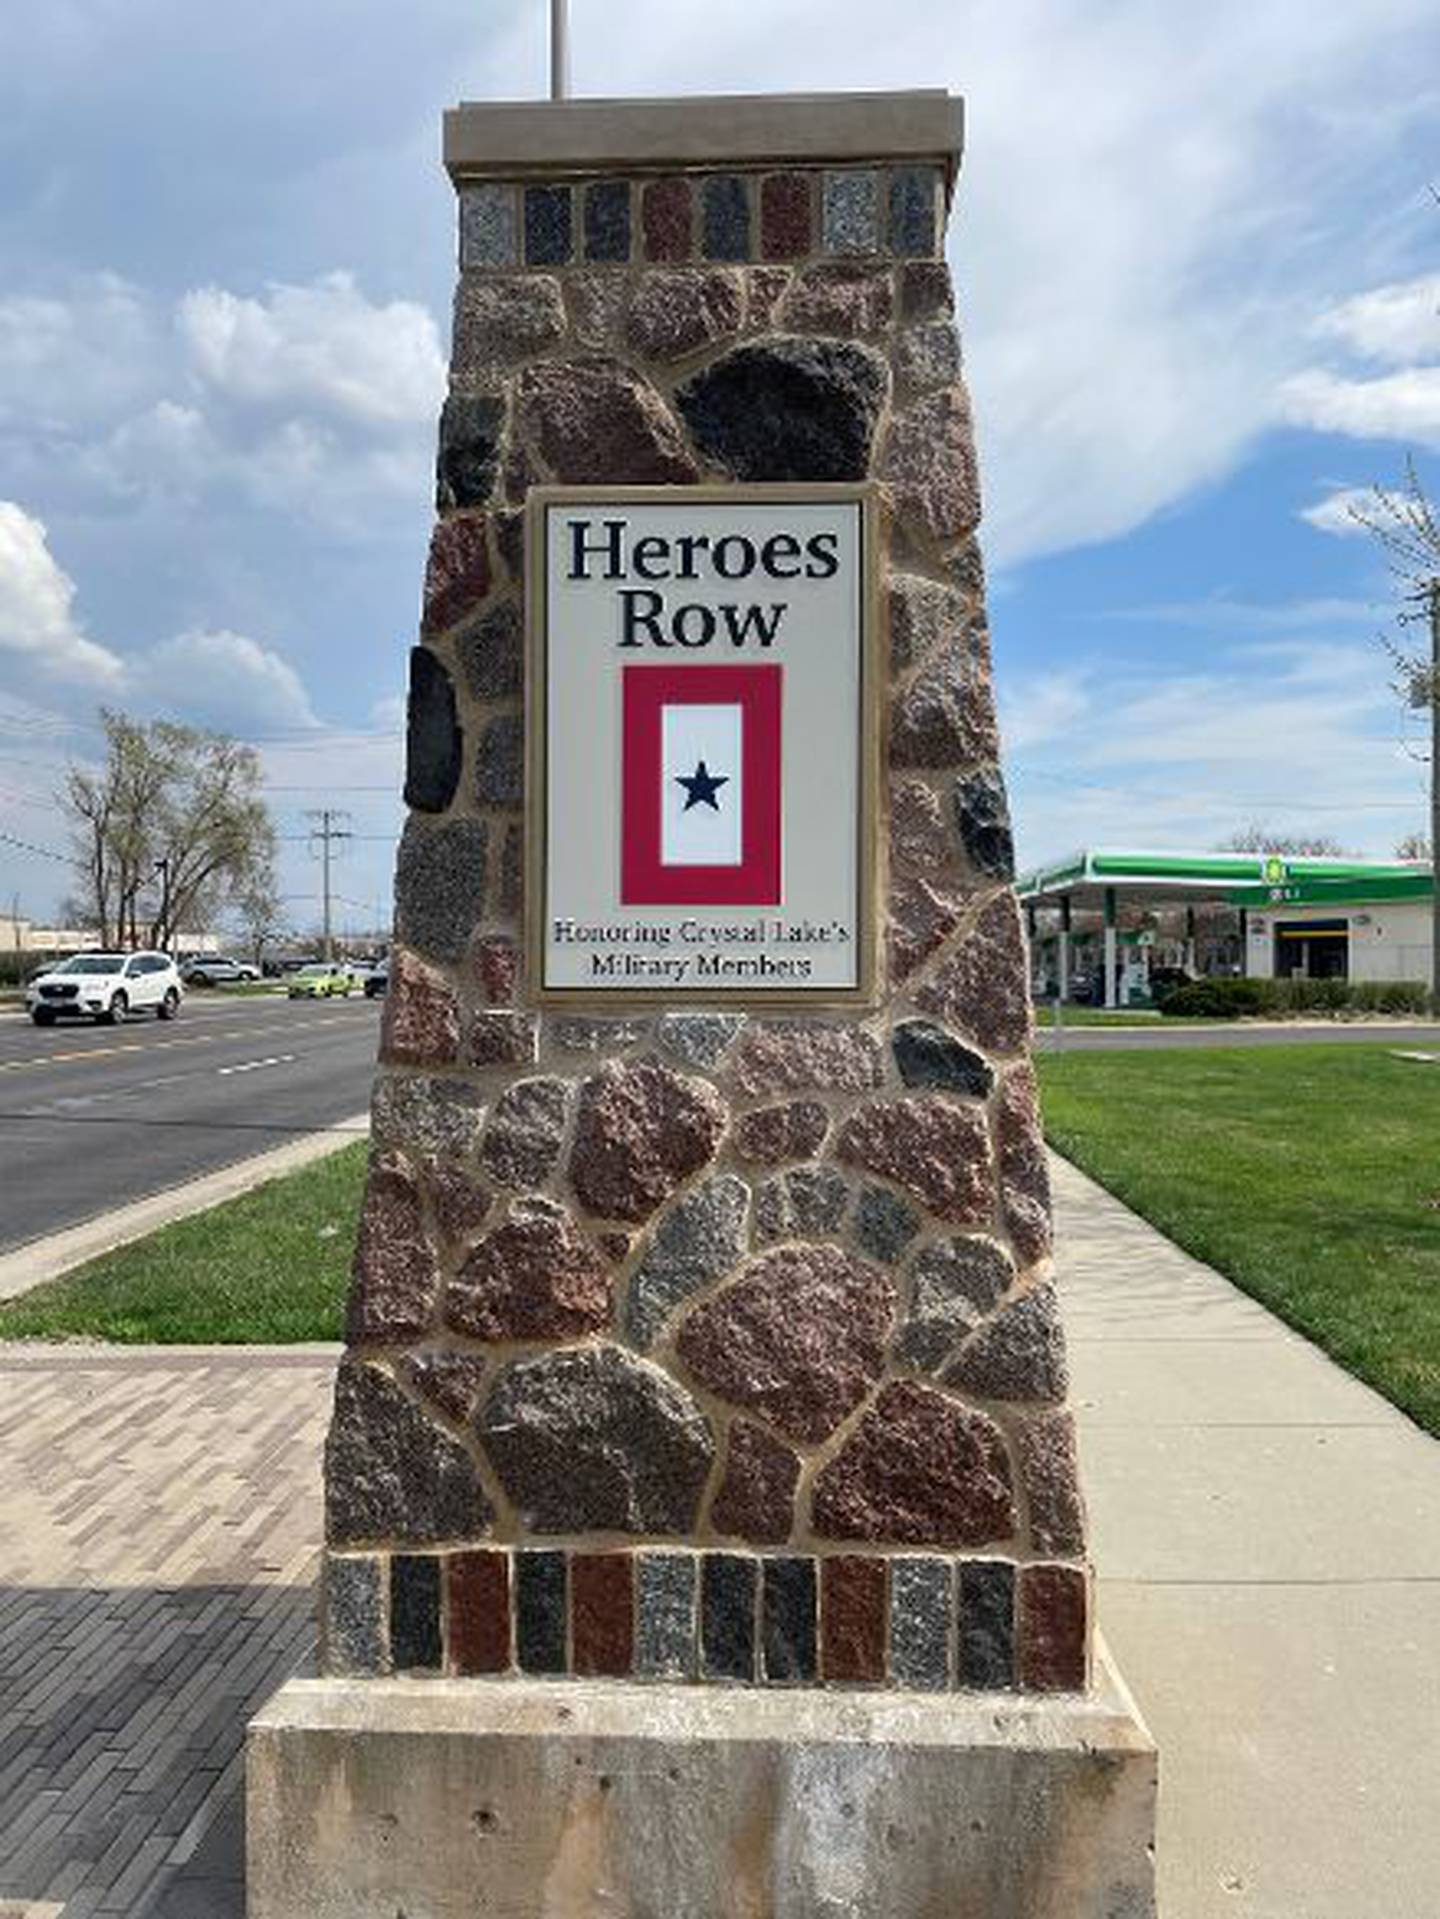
x,y
1110,1039
94,1116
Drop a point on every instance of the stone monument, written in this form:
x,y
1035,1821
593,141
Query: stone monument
x,y
703,1529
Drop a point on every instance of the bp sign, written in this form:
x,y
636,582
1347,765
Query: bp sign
x,y
701,777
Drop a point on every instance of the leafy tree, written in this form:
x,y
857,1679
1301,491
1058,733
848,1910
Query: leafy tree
x,y
169,829
259,912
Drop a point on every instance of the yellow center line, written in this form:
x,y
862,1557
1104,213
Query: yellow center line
x,y
160,1045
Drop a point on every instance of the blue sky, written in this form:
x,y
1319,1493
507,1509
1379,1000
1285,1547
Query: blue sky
x,y
1197,260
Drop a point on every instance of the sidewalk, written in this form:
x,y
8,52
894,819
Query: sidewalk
x,y
1267,1534
1267,1537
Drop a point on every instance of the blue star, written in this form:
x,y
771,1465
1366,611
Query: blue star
x,y
701,787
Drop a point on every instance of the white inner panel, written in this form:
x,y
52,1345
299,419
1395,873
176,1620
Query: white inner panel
x,y
702,743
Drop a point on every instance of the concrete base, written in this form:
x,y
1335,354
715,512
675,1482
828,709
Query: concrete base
x,y
527,1799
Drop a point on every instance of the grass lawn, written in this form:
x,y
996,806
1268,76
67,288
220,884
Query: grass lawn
x,y
269,1267
1310,1175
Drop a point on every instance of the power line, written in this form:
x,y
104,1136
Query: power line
x,y
45,852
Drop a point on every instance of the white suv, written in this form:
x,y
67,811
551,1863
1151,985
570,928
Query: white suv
x,y
106,986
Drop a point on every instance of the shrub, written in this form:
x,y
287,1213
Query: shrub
x,y
1249,998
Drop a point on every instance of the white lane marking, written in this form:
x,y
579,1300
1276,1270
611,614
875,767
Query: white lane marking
x,y
254,1065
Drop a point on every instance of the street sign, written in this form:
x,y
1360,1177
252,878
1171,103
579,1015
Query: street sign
x,y
701,784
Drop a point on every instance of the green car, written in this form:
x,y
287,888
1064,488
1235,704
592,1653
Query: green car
x,y
320,981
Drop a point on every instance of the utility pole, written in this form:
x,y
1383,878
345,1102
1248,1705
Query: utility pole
x,y
327,832
1434,691
559,51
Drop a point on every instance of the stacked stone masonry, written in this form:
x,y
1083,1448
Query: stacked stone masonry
x,y
694,1342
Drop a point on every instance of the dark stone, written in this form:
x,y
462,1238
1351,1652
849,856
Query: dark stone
x,y
788,1650
415,1612
607,220
840,298
756,1498
426,1113
944,717
725,217
1017,1355
522,1141
392,1474
884,1224
1050,1477
912,209
921,1606
922,918
395,1274
983,987
667,219
665,1594
492,653
469,456
699,1039
549,226
1053,1608
460,1200
765,288
534,1277
1024,1173
929,467
728,1584
432,735
500,763
927,355
510,544
593,420
853,1620
787,215
457,573
450,1382
440,886
917,1471
503,1039
590,1439
799,1338
934,1149
787,410
802,1205
802,1056
352,1616
773,1134
540,1608
982,819
501,318
954,1283
477,1612
923,616
602,1615
640,1132
985,1626
680,312
925,290
696,1243
929,1056
512,872
851,215
420,1022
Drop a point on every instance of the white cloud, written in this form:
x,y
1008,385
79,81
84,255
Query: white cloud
x,y
1398,406
224,680
320,346
1398,324
1339,512
1043,707
37,615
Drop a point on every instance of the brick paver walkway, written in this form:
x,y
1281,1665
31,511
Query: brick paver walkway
x,y
159,1519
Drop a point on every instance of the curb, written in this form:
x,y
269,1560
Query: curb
x,y
57,1253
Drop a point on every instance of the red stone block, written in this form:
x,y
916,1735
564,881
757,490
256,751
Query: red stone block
x,y
457,574
477,1611
666,220
602,1615
497,968
787,216
420,1025
1054,1605
853,1614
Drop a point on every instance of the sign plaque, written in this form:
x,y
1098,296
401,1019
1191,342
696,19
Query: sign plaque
x,y
702,743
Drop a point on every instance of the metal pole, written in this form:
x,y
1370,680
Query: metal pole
x,y
329,953
559,51
1435,793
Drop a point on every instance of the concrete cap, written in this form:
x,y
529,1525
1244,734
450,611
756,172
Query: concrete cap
x,y
513,138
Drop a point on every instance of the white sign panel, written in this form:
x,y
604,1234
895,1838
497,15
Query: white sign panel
x,y
702,738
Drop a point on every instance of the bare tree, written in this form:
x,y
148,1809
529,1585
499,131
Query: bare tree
x,y
168,829
1414,846
1259,838
259,912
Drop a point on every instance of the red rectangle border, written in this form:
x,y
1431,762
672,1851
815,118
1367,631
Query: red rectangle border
x,y
644,880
